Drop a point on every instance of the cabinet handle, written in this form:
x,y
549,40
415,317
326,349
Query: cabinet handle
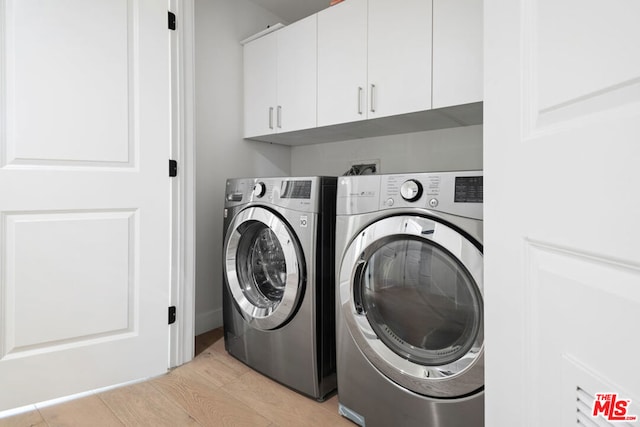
x,y
373,98
359,100
279,117
270,117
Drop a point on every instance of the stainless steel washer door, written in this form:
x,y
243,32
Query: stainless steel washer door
x,y
263,268
411,296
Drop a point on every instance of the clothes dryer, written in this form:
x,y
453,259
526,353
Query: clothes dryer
x,y
279,292
409,263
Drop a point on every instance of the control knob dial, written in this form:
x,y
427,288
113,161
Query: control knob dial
x,y
411,190
259,189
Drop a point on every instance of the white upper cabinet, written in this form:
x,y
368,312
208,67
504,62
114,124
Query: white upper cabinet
x,y
342,63
365,68
281,80
399,72
297,75
260,85
374,59
457,52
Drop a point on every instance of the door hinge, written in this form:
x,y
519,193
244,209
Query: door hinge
x,y
172,314
172,21
173,168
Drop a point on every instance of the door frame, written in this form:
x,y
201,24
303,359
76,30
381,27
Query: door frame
x,y
182,332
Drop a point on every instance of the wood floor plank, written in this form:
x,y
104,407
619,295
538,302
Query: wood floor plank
x,y
144,405
209,405
331,404
204,341
88,411
219,369
27,419
218,346
229,360
283,406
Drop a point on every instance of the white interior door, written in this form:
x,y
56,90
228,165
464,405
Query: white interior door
x,y
562,212
84,195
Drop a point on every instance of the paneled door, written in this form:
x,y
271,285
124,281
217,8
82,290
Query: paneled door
x,y
562,212
84,195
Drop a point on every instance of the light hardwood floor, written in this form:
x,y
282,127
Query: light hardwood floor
x,y
212,390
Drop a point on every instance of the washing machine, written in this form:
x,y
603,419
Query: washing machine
x,y
409,269
279,289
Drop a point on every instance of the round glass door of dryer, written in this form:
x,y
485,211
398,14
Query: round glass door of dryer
x,y
420,301
263,267
411,295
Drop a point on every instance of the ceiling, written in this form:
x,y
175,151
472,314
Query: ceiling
x,y
292,10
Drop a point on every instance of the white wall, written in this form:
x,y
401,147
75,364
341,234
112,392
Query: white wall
x,y
221,152
440,150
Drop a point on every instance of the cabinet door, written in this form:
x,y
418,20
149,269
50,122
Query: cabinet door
x,y
297,75
342,63
399,56
260,83
457,52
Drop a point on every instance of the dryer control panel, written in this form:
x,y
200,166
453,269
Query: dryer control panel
x,y
457,193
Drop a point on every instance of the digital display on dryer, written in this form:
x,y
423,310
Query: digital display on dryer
x,y
468,189
296,190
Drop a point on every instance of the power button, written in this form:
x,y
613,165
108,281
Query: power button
x,y
433,202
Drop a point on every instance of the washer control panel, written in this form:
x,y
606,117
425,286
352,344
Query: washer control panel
x,y
294,193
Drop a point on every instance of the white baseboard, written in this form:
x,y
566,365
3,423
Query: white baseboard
x,y
208,320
